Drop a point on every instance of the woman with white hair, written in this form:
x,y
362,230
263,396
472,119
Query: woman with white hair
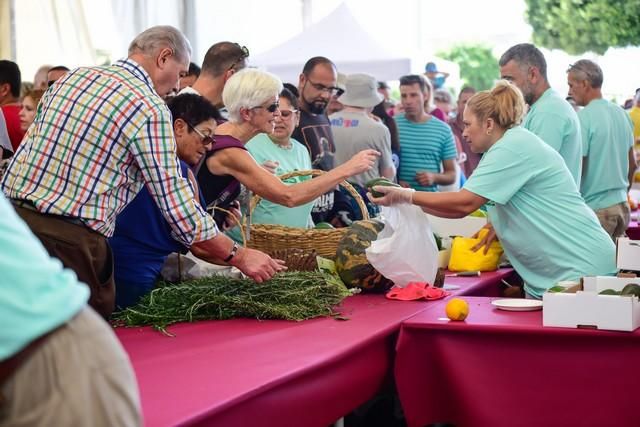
x,y
251,97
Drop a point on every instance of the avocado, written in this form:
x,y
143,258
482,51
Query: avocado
x,y
556,288
478,214
631,289
609,292
379,181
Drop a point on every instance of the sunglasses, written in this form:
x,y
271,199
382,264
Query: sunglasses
x,y
244,54
286,114
270,108
206,139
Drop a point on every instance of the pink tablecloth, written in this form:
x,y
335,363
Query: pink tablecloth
x,y
267,373
502,368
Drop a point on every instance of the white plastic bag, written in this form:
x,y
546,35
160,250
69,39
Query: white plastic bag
x,y
405,250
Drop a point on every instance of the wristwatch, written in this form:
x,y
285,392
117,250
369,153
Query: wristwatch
x,y
234,251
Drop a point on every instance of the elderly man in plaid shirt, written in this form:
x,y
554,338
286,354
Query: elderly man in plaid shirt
x,y
100,134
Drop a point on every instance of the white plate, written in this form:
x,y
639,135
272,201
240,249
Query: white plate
x,y
517,304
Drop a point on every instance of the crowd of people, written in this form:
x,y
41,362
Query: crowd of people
x,y
110,169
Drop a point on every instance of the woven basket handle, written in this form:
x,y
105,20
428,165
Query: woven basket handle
x,y
317,172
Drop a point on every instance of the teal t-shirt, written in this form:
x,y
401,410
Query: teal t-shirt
x,y
544,225
423,147
607,135
553,119
36,293
296,158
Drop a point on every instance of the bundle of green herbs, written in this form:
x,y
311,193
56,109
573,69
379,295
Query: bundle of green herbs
x,y
294,295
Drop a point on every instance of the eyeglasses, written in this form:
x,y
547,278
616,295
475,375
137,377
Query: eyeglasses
x,y
331,90
244,54
287,114
206,139
270,108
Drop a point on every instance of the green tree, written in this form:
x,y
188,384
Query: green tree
x,y
478,67
578,26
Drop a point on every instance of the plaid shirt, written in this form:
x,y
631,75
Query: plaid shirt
x,y
100,133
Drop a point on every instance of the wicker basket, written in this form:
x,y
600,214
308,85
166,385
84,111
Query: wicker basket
x,y
276,240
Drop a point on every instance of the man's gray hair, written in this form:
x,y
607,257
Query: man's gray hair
x,y
525,54
249,88
159,37
585,69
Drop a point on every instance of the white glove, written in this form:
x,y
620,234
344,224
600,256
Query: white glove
x,y
391,195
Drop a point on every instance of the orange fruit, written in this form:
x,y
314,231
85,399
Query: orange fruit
x,y
457,309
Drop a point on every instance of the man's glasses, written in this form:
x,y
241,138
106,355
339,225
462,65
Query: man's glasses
x,y
206,139
331,90
270,108
287,114
244,54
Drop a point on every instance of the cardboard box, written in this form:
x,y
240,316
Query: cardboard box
x,y
586,309
465,227
628,254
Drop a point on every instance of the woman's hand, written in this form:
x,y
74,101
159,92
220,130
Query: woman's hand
x,y
271,166
487,240
233,218
391,195
361,162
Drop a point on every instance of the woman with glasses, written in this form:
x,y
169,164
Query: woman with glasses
x,y
143,239
252,99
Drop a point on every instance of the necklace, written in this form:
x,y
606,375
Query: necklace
x,y
289,145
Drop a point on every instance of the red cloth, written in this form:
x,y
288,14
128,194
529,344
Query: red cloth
x,y
11,114
500,368
245,372
634,230
416,290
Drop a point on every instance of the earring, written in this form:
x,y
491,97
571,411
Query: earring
x,y
489,132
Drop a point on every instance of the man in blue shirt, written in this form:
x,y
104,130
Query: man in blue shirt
x,y
60,363
427,148
550,116
607,146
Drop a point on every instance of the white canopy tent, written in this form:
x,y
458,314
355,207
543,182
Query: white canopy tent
x,y
340,38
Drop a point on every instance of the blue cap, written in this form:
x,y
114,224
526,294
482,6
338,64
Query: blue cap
x,y
431,67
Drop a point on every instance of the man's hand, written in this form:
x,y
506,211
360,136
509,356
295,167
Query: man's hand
x,y
391,195
487,240
257,265
426,179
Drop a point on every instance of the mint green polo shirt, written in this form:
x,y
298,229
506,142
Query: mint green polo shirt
x,y
544,225
36,293
607,136
553,119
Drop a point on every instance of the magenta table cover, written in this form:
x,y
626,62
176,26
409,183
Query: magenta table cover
x,y
501,368
634,230
245,372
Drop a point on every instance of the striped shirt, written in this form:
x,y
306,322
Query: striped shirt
x,y
99,135
423,147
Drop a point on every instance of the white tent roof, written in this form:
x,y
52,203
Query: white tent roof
x,y
340,38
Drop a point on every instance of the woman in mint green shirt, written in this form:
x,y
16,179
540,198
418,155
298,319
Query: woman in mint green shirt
x,y
535,209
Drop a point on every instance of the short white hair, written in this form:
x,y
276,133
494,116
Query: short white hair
x,y
249,88
159,37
